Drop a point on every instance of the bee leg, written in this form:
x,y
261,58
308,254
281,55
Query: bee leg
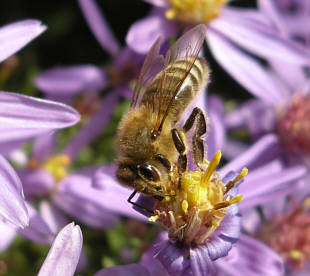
x,y
200,129
180,146
164,161
138,205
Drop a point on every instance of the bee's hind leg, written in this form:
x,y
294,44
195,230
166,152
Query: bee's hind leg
x,y
197,116
181,148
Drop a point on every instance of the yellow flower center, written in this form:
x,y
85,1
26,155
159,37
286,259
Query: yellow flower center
x,y
199,204
194,11
56,166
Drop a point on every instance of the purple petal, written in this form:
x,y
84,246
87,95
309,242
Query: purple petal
x,y
44,146
158,3
36,182
253,259
68,81
233,149
76,197
64,254
256,115
259,149
37,230
243,68
16,35
124,270
200,262
12,204
53,217
149,261
293,76
19,111
216,135
7,235
172,258
79,188
99,26
93,128
257,190
270,9
142,34
260,39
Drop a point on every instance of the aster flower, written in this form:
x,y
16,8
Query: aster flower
x,y
284,225
280,109
231,32
21,118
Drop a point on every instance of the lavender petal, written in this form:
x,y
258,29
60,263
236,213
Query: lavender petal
x,y
53,217
252,154
243,68
124,270
216,135
99,26
251,35
37,230
64,253
68,81
200,262
261,189
36,182
92,129
19,111
142,34
252,258
7,235
16,35
12,204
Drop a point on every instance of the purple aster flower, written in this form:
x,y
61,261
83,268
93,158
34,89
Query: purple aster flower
x,y
64,254
230,31
21,118
284,225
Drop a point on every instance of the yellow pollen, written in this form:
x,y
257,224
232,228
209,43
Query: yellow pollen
x,y
56,165
194,11
198,205
232,183
153,218
295,254
185,206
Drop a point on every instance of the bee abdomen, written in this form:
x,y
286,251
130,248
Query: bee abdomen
x,y
183,78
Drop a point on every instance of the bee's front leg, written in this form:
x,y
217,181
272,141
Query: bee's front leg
x,y
197,116
178,140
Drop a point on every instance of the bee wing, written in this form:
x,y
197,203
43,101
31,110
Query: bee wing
x,y
188,45
153,63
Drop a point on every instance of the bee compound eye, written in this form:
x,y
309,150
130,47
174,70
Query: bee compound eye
x,y
148,172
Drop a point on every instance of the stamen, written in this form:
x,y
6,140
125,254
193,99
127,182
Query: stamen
x,y
199,204
232,183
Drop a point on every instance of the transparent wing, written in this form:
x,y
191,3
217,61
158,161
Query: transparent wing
x,y
152,65
186,48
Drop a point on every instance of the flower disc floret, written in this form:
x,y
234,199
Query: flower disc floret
x,y
293,124
198,206
194,11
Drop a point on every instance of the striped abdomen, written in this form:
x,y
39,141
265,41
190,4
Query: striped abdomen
x,y
175,82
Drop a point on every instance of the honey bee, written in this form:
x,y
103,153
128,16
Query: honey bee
x,y
150,146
